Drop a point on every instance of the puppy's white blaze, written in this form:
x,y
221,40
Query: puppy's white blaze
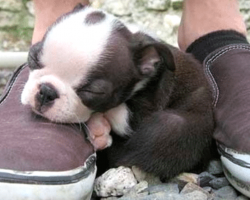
x,y
140,85
79,44
118,118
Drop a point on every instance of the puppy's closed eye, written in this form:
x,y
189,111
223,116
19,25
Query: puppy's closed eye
x,y
96,94
94,88
91,91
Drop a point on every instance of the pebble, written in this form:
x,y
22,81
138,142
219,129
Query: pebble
x,y
215,167
188,178
160,196
218,183
225,193
190,187
195,195
208,189
138,190
115,182
204,179
165,187
143,176
242,198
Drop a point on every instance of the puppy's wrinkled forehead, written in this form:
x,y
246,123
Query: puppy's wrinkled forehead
x,y
76,43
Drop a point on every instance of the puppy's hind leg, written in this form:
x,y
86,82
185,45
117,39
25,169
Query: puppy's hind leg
x,y
169,142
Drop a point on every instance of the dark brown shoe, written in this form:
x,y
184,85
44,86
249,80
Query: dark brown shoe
x,y
40,159
228,69
225,56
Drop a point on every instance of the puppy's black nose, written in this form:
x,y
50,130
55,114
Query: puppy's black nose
x,y
47,94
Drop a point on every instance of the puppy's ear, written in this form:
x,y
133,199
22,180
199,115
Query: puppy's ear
x,y
166,55
149,54
147,60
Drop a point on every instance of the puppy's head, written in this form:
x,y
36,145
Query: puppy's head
x,y
88,61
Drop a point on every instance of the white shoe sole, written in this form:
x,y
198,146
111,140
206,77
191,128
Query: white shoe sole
x,y
236,167
76,184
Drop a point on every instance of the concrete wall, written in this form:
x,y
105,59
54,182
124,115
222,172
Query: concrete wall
x,y
159,16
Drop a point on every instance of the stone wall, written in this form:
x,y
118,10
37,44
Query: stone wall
x,y
159,16
16,24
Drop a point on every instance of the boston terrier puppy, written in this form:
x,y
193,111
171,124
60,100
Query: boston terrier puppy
x,y
155,97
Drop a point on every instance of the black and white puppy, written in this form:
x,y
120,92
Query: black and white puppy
x,y
155,97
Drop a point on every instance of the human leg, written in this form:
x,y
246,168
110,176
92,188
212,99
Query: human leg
x,y
214,32
47,11
202,17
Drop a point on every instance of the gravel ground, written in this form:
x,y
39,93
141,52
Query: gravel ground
x,y
208,185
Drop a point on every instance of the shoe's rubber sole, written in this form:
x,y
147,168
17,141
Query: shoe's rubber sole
x,y
76,184
236,167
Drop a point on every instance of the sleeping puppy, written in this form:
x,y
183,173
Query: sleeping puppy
x,y
155,97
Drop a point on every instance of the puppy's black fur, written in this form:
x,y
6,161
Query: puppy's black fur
x,y
171,117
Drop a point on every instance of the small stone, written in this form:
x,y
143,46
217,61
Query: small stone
x,y
138,189
190,187
241,197
115,182
208,189
204,179
195,195
142,195
158,4
163,196
188,177
166,187
218,183
227,193
141,176
215,167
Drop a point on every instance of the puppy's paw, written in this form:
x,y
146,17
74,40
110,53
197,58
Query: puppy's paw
x,y
115,182
99,130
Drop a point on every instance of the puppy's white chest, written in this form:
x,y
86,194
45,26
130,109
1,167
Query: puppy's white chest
x,y
118,118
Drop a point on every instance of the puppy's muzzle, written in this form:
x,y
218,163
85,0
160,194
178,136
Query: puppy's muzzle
x,y
46,95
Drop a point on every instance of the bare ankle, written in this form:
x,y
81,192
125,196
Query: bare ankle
x,y
202,17
46,13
